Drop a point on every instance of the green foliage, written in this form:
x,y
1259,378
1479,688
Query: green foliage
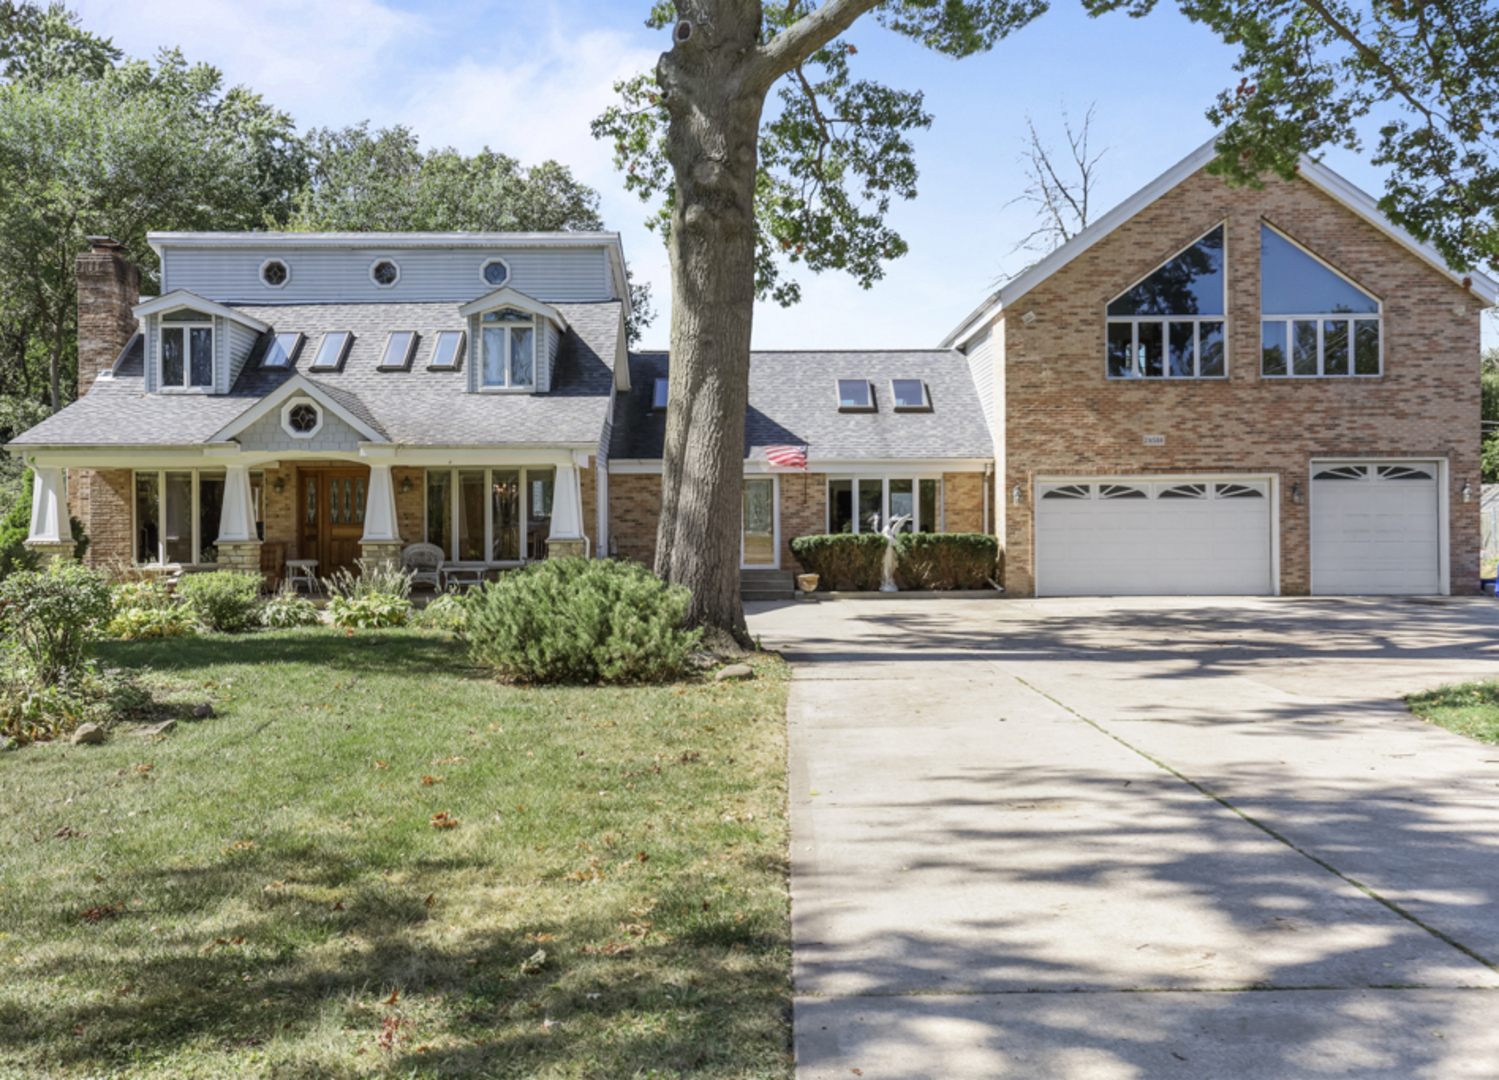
x,y
146,593
17,526
31,713
580,621
448,613
139,623
373,579
1488,381
1470,709
286,610
51,619
842,560
946,560
227,601
375,611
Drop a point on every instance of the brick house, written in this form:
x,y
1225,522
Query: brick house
x,y
1235,391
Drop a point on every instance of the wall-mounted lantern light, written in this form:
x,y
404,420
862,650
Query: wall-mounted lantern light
x,y
1467,491
1296,496
406,486
1018,496
279,486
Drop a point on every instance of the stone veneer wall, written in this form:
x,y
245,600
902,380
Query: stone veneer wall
x,y
1061,415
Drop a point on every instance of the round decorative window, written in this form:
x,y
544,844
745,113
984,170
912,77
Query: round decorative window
x,y
274,273
385,273
303,418
495,272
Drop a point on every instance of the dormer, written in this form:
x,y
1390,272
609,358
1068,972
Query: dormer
x,y
512,343
194,345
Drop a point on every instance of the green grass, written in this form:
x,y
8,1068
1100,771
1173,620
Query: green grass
x,y
263,893
1470,709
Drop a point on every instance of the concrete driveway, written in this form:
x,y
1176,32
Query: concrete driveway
x,y
1139,839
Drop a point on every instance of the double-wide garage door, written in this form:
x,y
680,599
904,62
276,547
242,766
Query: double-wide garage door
x,y
1375,529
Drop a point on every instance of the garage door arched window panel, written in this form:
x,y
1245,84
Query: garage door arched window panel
x,y
1183,491
1170,325
1343,472
1314,321
1067,491
1122,491
1404,472
1239,491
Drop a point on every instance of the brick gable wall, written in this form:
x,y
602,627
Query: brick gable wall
x,y
1062,416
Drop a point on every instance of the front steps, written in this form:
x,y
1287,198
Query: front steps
x,y
767,585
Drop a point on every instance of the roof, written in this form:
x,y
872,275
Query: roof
x,y
1315,173
416,407
793,400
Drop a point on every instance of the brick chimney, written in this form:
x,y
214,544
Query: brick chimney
x,y
109,285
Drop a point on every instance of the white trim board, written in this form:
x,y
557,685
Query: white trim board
x,y
182,298
297,384
1315,173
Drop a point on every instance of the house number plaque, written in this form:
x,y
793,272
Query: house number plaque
x,y
1155,440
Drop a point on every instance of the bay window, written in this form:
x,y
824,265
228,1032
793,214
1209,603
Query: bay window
x,y
490,515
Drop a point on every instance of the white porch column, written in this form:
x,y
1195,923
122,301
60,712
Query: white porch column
x,y
567,505
380,522
49,507
237,518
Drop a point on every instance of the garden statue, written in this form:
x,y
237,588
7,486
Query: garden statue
x,y
891,530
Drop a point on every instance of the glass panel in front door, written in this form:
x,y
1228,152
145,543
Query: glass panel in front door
x,y
759,523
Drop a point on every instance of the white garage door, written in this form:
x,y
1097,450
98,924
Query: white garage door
x,y
1141,537
1375,529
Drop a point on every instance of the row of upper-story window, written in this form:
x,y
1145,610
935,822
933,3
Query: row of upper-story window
x,y
853,395
507,340
1314,321
384,273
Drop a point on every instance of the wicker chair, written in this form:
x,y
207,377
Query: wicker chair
x,y
423,564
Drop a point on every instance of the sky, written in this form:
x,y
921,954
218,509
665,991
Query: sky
x,y
525,79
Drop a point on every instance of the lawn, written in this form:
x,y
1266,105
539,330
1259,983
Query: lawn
x,y
1470,709
374,861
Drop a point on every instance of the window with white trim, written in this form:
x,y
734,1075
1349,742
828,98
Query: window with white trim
x,y
1171,324
1313,320
186,350
508,349
864,504
176,516
490,515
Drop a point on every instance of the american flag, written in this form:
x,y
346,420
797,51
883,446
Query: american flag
x,y
787,457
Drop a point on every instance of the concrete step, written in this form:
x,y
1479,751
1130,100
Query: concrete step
x,y
767,594
767,585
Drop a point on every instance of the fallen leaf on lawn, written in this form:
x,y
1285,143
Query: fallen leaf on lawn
x,y
382,764
338,905
540,939
394,996
857,1072
144,768
106,911
534,963
451,759
642,856
428,781
431,899
444,820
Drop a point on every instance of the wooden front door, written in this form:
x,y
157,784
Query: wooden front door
x,y
331,510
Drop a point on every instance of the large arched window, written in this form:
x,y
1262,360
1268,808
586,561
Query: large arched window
x,y
1170,325
1313,320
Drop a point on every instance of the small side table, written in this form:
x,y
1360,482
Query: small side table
x,y
302,571
468,575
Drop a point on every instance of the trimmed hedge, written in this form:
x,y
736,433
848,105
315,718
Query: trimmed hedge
x,y
842,560
923,560
946,560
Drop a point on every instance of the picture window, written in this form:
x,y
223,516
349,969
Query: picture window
x,y
1171,325
1313,321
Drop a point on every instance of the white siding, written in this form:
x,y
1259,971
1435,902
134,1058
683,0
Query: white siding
x,y
342,275
153,335
981,363
241,343
544,333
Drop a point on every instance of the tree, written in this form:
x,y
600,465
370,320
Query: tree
x,y
741,195
1059,191
363,181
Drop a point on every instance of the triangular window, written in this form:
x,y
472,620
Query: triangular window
x,y
1190,284
1294,283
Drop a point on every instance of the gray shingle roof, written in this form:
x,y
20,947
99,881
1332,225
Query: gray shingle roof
x,y
793,400
417,407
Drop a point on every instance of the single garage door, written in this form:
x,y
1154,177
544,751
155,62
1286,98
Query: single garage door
x,y
1375,529
1141,537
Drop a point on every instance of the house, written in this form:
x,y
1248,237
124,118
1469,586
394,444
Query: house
x,y
336,397
1263,391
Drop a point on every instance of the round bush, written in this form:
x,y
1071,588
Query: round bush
x,y
52,617
580,621
225,600
286,611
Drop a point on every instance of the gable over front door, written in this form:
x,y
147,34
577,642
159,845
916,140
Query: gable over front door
x,y
330,508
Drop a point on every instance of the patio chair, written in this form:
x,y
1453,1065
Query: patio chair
x,y
423,564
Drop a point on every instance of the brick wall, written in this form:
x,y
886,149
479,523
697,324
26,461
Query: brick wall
x,y
109,285
1061,415
804,511
103,505
634,510
963,502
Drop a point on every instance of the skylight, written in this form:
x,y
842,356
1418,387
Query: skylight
x,y
331,352
282,351
659,394
447,349
398,349
855,395
909,394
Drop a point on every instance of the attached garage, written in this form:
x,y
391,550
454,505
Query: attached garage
x,y
1146,536
1376,529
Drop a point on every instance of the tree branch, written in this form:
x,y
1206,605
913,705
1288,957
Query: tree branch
x,y
1372,58
801,39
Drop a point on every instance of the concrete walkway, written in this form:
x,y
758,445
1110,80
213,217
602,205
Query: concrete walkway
x,y
1010,818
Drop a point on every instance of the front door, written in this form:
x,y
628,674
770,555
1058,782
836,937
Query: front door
x,y
331,502
759,544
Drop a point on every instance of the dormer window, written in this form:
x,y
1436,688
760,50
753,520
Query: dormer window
x,y
909,395
509,349
282,351
659,393
855,395
186,350
330,353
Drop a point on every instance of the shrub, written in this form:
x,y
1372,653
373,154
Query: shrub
x,y
446,613
946,560
223,600
137,623
52,617
580,620
32,713
373,579
373,612
842,560
286,610
144,593
16,527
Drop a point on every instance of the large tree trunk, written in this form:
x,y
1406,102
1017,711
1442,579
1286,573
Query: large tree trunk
x,y
712,146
